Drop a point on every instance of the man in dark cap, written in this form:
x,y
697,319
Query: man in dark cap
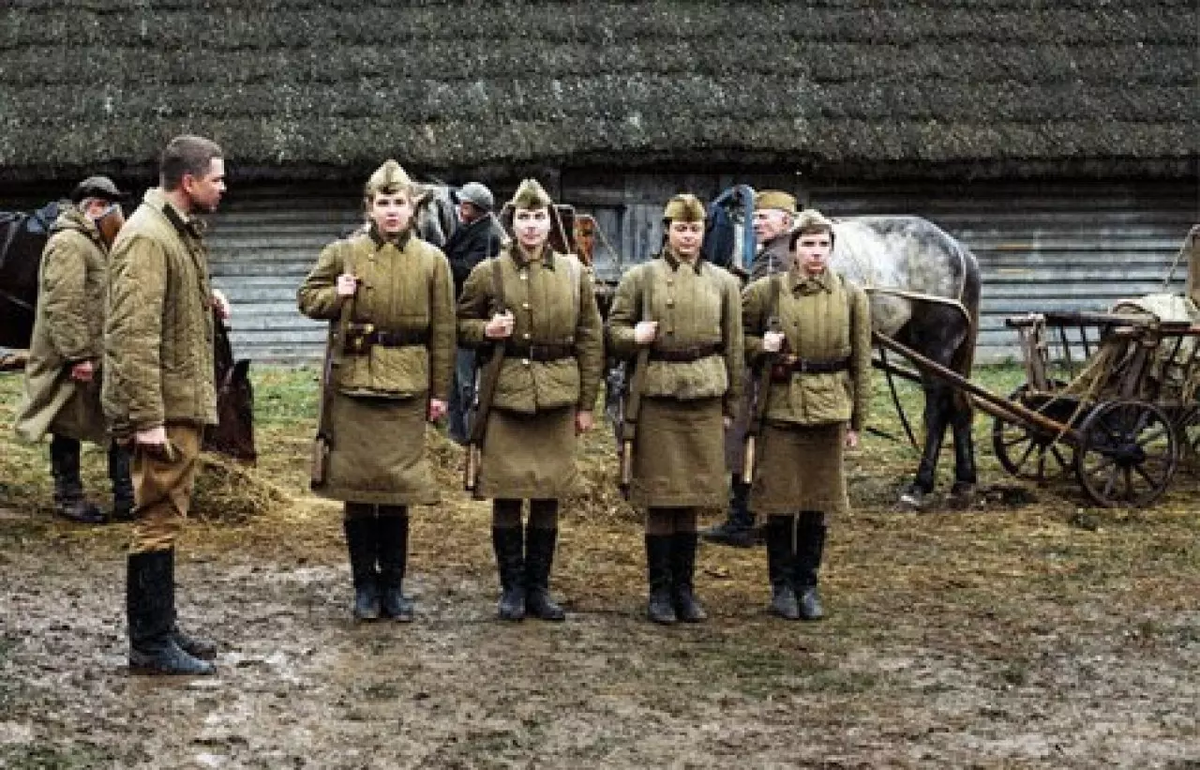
x,y
478,237
774,214
62,379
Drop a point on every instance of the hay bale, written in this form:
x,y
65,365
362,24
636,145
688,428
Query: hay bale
x,y
229,492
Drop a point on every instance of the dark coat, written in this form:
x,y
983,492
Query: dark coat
x,y
471,244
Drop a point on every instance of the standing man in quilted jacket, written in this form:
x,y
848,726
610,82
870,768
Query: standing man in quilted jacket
x,y
62,380
158,389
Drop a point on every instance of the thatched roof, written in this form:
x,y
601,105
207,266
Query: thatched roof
x,y
303,88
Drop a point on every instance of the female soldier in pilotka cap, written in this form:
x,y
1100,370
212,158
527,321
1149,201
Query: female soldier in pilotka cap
x,y
536,308
813,329
390,299
688,313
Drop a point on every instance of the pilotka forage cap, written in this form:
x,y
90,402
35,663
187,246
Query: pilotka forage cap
x,y
476,194
390,178
811,220
684,207
775,199
98,187
530,195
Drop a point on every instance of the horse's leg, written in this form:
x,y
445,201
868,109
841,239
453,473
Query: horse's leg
x,y
962,418
937,334
936,418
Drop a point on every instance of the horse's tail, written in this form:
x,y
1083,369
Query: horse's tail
x,y
963,358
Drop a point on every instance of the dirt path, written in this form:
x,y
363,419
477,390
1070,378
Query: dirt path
x,y
1053,646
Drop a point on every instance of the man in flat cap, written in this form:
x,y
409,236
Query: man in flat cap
x,y
478,237
774,214
62,379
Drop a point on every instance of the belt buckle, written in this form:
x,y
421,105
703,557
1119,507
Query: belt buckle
x,y
535,352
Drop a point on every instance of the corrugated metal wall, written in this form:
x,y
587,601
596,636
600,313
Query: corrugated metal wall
x,y
1041,246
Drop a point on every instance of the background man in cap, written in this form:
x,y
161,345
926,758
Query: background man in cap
x,y
478,237
62,379
774,213
158,386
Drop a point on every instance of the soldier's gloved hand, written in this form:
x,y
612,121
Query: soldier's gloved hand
x,y
346,285
773,342
500,326
83,371
645,332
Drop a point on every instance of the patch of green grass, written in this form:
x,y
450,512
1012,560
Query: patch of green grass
x,y
285,396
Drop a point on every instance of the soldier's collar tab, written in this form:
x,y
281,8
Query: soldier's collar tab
x,y
377,238
674,261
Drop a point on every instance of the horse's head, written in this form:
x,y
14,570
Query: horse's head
x,y
435,212
233,435
22,239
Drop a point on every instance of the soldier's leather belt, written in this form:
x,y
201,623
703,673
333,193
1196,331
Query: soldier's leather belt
x,y
539,352
685,355
360,338
791,366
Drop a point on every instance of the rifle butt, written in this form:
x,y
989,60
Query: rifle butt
x,y
318,470
471,469
749,458
626,477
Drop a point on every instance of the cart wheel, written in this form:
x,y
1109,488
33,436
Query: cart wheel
x,y
1189,436
1026,452
1127,455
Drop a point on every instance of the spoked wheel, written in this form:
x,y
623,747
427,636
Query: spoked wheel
x,y
1127,455
1189,437
1027,452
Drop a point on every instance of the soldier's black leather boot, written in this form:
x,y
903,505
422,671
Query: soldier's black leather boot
x,y
660,608
738,529
196,646
510,562
539,557
150,608
781,567
393,562
69,500
683,569
361,542
121,477
810,545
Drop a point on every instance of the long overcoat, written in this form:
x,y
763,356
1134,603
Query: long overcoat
x,y
68,329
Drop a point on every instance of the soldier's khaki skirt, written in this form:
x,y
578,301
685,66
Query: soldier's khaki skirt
x,y
379,452
679,455
799,469
528,456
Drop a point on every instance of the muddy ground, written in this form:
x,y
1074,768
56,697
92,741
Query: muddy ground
x,y
1030,631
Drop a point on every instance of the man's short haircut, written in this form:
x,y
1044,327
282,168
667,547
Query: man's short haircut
x,y
186,154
